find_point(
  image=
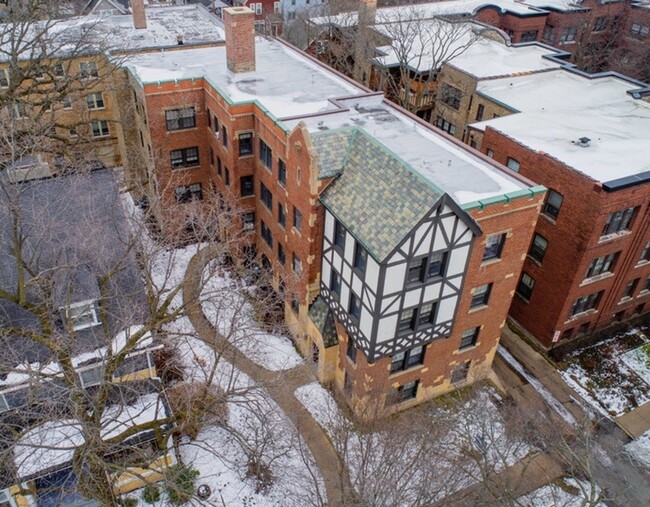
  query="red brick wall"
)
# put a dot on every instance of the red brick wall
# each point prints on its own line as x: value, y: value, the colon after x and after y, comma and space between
x: 574, y: 240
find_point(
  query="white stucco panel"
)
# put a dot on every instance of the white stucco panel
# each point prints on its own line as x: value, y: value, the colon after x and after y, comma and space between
x: 357, y: 284
x: 345, y: 297
x: 390, y: 303
x: 372, y: 274
x: 412, y: 298
x: 386, y: 329
x: 329, y: 226
x: 394, y: 279
x: 347, y: 273
x: 365, y: 324
x: 425, y: 230
x: 457, y: 260
x: 326, y: 275
x: 446, y: 309
x: 432, y: 292
x: 349, y: 248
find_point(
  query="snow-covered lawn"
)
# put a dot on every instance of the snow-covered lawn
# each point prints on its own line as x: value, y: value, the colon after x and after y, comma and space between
x: 614, y: 375
x: 639, y: 449
x: 565, y: 492
x: 226, y: 302
x: 427, y: 454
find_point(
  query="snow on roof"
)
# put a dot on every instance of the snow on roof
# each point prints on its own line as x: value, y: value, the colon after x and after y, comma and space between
x: 307, y: 91
x: 481, y: 57
x: 454, y: 170
x: 53, y: 443
x: 116, y: 33
x: 390, y: 14
x: 559, y: 107
x: 558, y: 5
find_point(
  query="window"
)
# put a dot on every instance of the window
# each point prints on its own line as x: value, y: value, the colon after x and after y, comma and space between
x: 407, y: 359
x: 525, y: 287
x: 282, y: 257
x: 282, y: 173
x: 618, y: 221
x: 538, y: 248
x: 226, y: 174
x: 295, y: 305
x: 584, y: 303
x: 95, y: 101
x: 360, y: 257
x: 179, y: 119
x: 266, y: 196
x: 282, y: 215
x: 215, y: 121
x: 277, y: 8
x: 443, y: 124
x: 19, y: 109
x: 351, y: 351
x: 600, y: 24
x: 73, y: 133
x: 245, y: 144
x: 460, y: 372
x: 406, y: 392
x: 489, y: 154
x: 529, y: 36
x: 512, y: 164
x: 297, y: 265
x: 451, y: 96
x: 185, y: 157
x: 421, y: 270
x: 335, y: 283
x: 247, y: 186
x: 88, y: 70
x: 603, y: 264
x: 553, y: 204
x: 4, y: 78
x: 266, y: 155
x: 82, y: 315
x: 100, y: 128
x: 645, y: 255
x: 218, y: 166
x: 479, y: 112
x: 569, y: 34
x: 407, y: 320
x: 339, y: 235
x: 249, y: 221
x: 211, y: 154
x: 416, y: 318
x: 549, y: 34
x: 630, y: 288
x: 224, y: 136
x: 640, y: 31
x: 91, y: 376
x: 494, y: 246
x: 297, y: 219
x: 646, y: 285
x: 266, y: 234
x: 187, y: 193
x: 469, y: 338
x: 481, y: 295
x: 67, y: 102
x: 355, y: 306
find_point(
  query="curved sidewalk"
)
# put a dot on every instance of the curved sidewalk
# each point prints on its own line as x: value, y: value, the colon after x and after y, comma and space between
x: 279, y: 384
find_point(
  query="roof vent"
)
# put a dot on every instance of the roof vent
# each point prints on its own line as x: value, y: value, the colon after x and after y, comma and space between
x: 583, y: 142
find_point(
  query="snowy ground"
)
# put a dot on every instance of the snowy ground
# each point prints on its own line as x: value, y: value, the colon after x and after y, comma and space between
x: 614, y: 375
x: 433, y: 452
x: 256, y: 425
x: 226, y: 304
x: 566, y: 492
x: 639, y: 449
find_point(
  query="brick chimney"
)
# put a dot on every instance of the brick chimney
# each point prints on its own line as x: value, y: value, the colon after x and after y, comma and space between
x: 240, y: 38
x: 365, y: 43
x: 139, y: 16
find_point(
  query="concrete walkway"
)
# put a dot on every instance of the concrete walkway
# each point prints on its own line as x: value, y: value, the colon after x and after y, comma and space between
x: 636, y: 422
x: 279, y: 384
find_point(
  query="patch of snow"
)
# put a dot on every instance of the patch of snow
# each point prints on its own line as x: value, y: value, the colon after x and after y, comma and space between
x: 567, y: 492
x: 639, y: 449
x: 121, y: 339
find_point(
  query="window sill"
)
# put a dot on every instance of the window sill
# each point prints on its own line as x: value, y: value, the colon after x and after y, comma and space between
x: 624, y: 300
x: 181, y: 169
x: 247, y: 196
x: 182, y: 130
x: 596, y: 278
x: 642, y: 263
x: 613, y: 236
x: 548, y: 218
x: 477, y: 308
x: 489, y: 262
x: 644, y: 292
x: 467, y: 347
x: 577, y: 316
x: 522, y: 297
x: 246, y: 155
x: 407, y: 370
x: 534, y: 261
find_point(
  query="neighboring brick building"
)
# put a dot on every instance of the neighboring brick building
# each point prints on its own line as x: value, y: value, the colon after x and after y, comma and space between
x: 412, y: 306
x: 586, y: 139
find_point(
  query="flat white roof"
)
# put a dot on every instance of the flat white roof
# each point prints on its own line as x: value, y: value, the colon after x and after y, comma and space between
x: 102, y: 32
x: 559, y: 107
x: 479, y: 56
x: 287, y: 83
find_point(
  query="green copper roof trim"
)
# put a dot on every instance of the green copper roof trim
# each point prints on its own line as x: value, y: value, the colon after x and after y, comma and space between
x: 507, y: 197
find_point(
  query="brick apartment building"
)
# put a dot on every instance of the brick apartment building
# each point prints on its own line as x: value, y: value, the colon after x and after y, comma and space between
x: 398, y: 300
x: 584, y: 137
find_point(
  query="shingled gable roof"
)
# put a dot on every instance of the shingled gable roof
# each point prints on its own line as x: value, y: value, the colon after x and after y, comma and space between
x: 376, y: 195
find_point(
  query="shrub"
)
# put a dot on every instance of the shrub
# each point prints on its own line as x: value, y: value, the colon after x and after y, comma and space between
x: 128, y: 502
x: 195, y: 405
x: 180, y: 483
x: 151, y: 494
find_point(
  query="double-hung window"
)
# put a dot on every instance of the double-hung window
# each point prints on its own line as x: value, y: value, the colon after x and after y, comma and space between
x: 266, y: 234
x: 266, y: 196
x: 481, y: 295
x: 245, y: 144
x: 423, y: 269
x: 525, y: 286
x: 469, y: 338
x: 297, y: 265
x: 585, y: 303
x: 451, y: 96
x: 187, y: 193
x: 407, y: 359
x: 88, y: 70
x: 185, y: 157
x: 4, y: 78
x: 513, y: 164
x: 91, y: 376
x: 95, y: 101
x: 538, y: 248
x: 179, y: 119
x: 618, y: 221
x: 553, y: 204
x: 100, y: 128
x: 417, y: 318
x: 602, y: 264
x: 494, y: 246
x: 282, y: 215
x: 266, y: 155
x: 355, y: 306
x: 297, y: 219
x: 282, y: 173
x: 339, y: 235
x: 335, y: 283
x: 247, y: 186
x: 360, y: 257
